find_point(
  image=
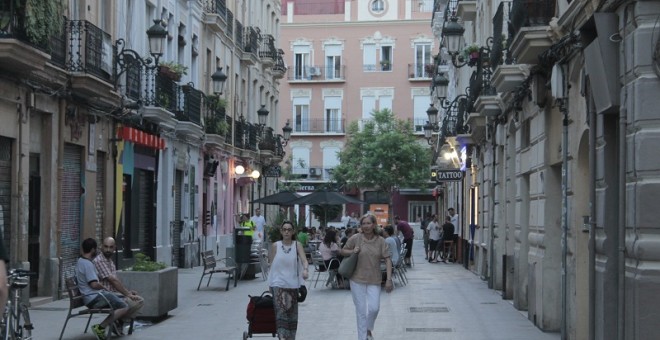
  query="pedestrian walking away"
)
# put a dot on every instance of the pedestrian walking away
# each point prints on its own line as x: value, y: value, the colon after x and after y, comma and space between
x: 259, y: 222
x: 288, y: 271
x: 366, y: 279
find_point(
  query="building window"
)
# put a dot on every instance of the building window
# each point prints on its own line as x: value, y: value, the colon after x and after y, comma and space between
x: 333, y: 115
x: 301, y: 62
x: 377, y: 6
x: 422, y: 59
x: 333, y: 62
x: 301, y: 117
x: 386, y: 58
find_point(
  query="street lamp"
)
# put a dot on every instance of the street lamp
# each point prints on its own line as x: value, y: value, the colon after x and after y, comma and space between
x: 440, y: 86
x: 286, y: 131
x: 126, y: 57
x: 262, y: 115
x: 453, y: 34
x: 218, y: 77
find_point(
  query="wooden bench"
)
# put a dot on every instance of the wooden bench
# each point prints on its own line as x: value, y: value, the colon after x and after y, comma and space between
x: 211, y: 267
x: 77, y: 307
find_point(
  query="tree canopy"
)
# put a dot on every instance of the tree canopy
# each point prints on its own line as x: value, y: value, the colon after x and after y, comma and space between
x: 383, y: 155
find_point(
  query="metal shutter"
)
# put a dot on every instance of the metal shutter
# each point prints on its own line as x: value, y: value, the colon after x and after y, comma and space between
x: 99, y: 205
x: 177, y: 223
x: 5, y: 191
x: 146, y: 225
x: 71, y: 209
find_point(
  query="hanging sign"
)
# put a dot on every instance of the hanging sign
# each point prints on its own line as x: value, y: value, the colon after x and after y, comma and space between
x: 447, y: 175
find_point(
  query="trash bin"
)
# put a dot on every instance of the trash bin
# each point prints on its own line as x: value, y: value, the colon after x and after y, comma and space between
x: 242, y: 245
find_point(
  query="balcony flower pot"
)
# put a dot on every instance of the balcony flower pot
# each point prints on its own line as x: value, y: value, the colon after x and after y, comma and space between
x: 173, y: 71
x: 158, y: 287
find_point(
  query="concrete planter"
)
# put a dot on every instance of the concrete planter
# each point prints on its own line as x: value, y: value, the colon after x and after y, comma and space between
x: 159, y: 290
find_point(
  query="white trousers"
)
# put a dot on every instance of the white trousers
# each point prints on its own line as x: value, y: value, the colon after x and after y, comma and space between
x: 366, y: 299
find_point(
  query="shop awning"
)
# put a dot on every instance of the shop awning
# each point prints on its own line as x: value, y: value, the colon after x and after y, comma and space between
x: 136, y: 136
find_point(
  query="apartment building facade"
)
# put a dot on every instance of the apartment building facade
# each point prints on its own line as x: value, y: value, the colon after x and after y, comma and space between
x: 559, y: 173
x: 344, y: 60
x: 104, y: 141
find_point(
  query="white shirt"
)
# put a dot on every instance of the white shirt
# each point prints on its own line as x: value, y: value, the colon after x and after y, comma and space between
x: 344, y: 220
x: 434, y: 231
x: 259, y: 222
x: 284, y: 271
x: 454, y: 221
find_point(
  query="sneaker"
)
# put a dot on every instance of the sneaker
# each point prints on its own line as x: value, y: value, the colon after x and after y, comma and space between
x: 118, y: 329
x: 370, y: 337
x: 99, y: 332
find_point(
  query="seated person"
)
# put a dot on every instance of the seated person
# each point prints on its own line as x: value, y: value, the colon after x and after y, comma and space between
x: 393, y: 245
x: 329, y: 250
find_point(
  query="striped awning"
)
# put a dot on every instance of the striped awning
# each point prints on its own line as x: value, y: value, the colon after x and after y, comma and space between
x: 140, y: 137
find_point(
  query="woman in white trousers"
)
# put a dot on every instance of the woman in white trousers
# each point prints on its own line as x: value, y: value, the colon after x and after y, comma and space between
x: 367, y: 277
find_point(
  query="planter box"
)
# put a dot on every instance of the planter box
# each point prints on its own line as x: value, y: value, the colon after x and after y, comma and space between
x: 159, y: 290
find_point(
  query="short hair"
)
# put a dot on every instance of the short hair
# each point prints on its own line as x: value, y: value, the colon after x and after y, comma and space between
x: 89, y: 244
x: 389, y: 229
x: 448, y: 218
x: 450, y: 209
x: 396, y: 217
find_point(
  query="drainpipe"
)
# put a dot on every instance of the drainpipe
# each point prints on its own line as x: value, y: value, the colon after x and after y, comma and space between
x: 621, y: 310
x: 491, y: 251
x: 592, y: 216
x: 563, y: 106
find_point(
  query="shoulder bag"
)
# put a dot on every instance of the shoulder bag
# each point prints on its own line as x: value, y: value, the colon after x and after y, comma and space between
x: 348, y: 264
x: 302, y: 290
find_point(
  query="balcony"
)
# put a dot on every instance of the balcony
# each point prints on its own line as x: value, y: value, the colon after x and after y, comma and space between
x: 327, y: 73
x: 529, y: 24
x: 383, y: 66
x: 245, y: 137
x: 467, y: 10
x: 279, y: 69
x: 85, y: 52
x: 230, y: 25
x: 250, y: 54
x: 189, y: 112
x: 17, y: 51
x: 267, y: 51
x: 215, y: 15
x: 239, y: 40
x: 318, y: 126
x: 453, y: 122
x: 160, y: 97
x: 476, y: 131
x: 421, y: 72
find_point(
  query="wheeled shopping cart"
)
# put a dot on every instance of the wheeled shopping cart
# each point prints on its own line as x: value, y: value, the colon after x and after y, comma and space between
x: 260, y: 316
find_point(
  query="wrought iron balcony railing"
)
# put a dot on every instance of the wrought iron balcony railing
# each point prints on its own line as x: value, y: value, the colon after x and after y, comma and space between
x: 191, y: 108
x: 238, y: 38
x: 499, y: 50
x: 279, y: 62
x: 252, y: 37
x: 230, y: 24
x: 246, y: 135
x: 529, y: 13
x: 83, y: 48
x: 421, y: 71
x: 268, y: 50
x: 218, y: 7
x: 317, y: 73
x: 318, y: 126
x: 454, y: 120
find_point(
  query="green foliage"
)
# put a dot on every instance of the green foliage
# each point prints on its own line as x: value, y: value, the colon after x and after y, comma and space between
x: 143, y: 263
x: 325, y: 213
x: 43, y: 19
x: 175, y: 67
x: 289, y: 183
x: 216, y: 125
x: 383, y: 156
x: 273, y: 231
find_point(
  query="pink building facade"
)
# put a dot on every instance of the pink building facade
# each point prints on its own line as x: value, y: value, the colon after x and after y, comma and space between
x: 344, y: 60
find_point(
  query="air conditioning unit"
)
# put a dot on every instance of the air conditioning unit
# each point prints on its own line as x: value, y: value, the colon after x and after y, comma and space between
x: 315, y: 172
x: 314, y: 71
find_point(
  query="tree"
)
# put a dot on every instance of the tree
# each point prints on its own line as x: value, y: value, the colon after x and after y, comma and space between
x: 384, y: 156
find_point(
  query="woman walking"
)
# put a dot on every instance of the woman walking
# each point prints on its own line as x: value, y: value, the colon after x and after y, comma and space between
x: 288, y: 271
x: 366, y: 279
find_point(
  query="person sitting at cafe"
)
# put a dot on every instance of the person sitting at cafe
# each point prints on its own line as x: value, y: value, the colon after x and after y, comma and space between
x: 303, y: 238
x: 329, y: 250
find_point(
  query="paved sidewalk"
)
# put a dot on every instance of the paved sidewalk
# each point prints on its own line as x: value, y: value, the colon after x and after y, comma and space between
x: 441, y: 301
